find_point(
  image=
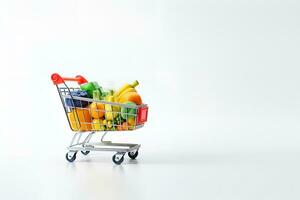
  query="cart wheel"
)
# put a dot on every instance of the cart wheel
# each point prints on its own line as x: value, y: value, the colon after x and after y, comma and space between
x: 71, y: 157
x: 118, y: 158
x: 85, y: 152
x: 133, y: 155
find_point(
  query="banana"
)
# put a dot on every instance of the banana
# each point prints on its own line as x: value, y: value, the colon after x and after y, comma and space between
x: 126, y: 86
x: 109, y: 109
x: 124, y: 92
x: 127, y: 90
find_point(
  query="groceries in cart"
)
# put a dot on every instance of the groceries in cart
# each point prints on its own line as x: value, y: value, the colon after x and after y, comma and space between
x: 91, y: 108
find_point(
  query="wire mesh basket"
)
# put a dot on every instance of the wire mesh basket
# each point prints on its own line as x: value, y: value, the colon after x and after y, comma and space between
x: 85, y: 114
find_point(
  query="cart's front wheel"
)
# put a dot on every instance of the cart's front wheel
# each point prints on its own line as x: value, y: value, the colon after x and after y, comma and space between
x: 133, y: 155
x: 70, y: 156
x: 85, y: 152
x: 118, y: 158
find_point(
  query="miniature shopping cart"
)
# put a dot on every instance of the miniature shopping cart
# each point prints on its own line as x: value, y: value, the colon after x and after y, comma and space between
x: 78, y: 111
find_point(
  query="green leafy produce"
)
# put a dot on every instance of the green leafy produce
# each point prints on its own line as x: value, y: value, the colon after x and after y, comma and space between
x: 127, y: 113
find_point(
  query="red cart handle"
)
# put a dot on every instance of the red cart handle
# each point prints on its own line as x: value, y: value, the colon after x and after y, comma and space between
x: 57, y: 79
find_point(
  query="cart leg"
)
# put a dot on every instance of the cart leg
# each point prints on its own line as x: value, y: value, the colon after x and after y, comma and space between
x: 102, y: 138
x: 79, y: 137
x: 86, y: 140
x: 74, y: 137
x: 71, y: 155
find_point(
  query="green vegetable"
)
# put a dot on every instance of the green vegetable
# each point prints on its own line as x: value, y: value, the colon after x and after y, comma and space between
x: 90, y: 87
x: 118, y: 120
x: 106, y: 93
x: 127, y: 113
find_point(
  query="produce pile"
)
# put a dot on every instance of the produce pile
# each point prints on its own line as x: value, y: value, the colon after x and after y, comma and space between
x: 95, y: 116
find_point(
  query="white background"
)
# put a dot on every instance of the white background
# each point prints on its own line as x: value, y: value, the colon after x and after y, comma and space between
x: 220, y: 78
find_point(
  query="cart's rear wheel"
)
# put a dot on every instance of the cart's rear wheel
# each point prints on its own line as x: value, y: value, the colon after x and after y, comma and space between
x: 118, y: 158
x: 85, y: 152
x: 70, y: 156
x: 133, y: 155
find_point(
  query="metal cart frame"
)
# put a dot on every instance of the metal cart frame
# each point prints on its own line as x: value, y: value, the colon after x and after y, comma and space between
x: 81, y: 139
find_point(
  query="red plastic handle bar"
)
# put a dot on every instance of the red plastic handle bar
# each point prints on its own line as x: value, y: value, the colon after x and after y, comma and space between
x: 57, y: 79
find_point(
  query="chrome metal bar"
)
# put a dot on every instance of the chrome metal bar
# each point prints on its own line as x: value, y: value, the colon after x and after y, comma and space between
x: 73, y: 138
x: 102, y: 138
x: 104, y: 102
x: 76, y: 144
x: 88, y: 138
x: 103, y: 147
x: 113, y: 144
x: 79, y: 137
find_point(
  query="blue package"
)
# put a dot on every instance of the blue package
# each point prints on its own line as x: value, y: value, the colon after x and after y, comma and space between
x: 77, y: 103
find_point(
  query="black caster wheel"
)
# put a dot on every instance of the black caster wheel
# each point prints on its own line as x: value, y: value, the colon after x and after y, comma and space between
x: 133, y: 155
x: 85, y: 152
x: 118, y: 158
x: 71, y: 156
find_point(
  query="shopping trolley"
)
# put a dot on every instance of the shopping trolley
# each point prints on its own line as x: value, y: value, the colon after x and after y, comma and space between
x: 78, y: 112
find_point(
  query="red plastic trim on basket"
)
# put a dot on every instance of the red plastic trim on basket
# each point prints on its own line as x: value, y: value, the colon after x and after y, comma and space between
x: 57, y: 79
x: 142, y: 115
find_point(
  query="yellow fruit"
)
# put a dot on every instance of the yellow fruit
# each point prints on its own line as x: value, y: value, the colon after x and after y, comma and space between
x: 110, y: 111
x: 97, y: 110
x: 109, y: 124
x: 80, y: 119
x: 131, y: 123
x: 98, y: 125
x: 124, y: 92
x: 116, y: 110
x: 124, y: 87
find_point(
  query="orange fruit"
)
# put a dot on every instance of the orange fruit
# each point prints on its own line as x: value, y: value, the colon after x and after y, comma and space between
x: 80, y: 119
x: 131, y: 96
x: 97, y: 110
x: 119, y: 128
x: 125, y: 126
